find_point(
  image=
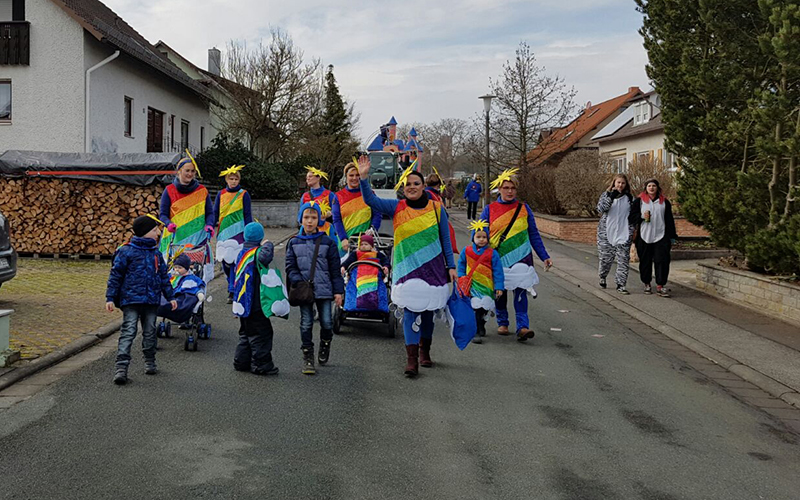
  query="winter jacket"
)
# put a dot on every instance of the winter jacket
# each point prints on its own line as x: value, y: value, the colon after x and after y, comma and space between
x: 138, y: 275
x: 473, y: 192
x: 328, y: 279
x: 264, y: 255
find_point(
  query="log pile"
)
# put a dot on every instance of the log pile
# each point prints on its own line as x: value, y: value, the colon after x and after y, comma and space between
x: 66, y: 216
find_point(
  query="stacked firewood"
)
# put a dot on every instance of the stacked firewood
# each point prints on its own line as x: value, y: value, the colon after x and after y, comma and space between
x: 66, y: 216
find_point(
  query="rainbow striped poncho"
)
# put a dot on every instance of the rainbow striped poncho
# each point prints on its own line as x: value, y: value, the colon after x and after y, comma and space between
x: 419, y: 276
x: 482, y: 289
x: 188, y: 213
x: 356, y: 215
x: 516, y: 254
x: 366, y: 291
x: 231, y: 225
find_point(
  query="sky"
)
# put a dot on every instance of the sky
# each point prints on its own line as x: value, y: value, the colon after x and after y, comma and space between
x: 419, y: 61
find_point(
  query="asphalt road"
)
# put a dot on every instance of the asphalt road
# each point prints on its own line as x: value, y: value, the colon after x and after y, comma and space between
x: 591, y: 411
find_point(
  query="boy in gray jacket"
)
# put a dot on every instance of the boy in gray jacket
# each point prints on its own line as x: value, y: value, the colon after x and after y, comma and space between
x: 328, y: 282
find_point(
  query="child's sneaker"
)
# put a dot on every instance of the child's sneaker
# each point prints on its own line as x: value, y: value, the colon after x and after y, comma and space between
x: 648, y: 289
x: 121, y: 376
x: 324, y: 351
x: 308, y: 362
x: 603, y: 283
x: 150, y: 367
x: 622, y: 290
x: 662, y: 292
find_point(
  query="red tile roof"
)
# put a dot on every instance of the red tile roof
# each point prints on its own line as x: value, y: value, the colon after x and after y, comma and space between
x: 561, y: 140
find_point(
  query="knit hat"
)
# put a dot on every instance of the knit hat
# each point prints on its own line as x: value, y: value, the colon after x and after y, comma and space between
x: 368, y: 238
x: 183, y: 260
x: 143, y: 225
x: 311, y: 205
x: 254, y: 232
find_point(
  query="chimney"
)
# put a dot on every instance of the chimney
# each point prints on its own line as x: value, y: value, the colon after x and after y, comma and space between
x: 214, y: 61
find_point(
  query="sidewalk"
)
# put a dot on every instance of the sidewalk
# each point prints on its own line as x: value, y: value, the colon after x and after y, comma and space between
x: 760, y: 349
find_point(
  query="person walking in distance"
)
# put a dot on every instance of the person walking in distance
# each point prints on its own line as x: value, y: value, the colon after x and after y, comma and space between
x: 473, y: 196
x: 651, y: 212
x: 614, y: 232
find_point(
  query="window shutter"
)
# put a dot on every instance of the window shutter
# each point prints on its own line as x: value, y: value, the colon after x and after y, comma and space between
x: 660, y: 155
x: 17, y: 10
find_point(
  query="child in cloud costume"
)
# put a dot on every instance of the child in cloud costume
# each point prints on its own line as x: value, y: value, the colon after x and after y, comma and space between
x: 513, y: 233
x: 422, y: 260
x: 259, y: 293
x: 232, y: 211
x: 480, y: 275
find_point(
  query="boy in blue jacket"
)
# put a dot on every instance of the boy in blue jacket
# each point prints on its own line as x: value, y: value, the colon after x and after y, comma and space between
x: 137, y: 280
x: 328, y: 282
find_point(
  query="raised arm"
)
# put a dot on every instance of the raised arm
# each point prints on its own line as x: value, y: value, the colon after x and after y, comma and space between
x: 379, y: 205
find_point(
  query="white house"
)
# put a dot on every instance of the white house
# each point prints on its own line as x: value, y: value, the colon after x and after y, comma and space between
x: 636, y: 132
x: 75, y: 77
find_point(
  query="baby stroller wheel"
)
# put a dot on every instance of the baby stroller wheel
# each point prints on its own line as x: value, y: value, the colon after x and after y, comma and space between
x: 194, y: 346
x: 208, y: 331
x: 168, y: 330
x: 160, y: 329
x: 186, y: 344
x: 337, y: 319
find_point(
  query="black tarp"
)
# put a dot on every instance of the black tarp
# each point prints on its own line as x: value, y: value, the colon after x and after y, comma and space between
x: 133, y: 169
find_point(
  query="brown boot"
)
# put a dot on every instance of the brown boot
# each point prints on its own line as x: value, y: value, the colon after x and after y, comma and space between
x: 425, y: 353
x: 502, y: 330
x: 412, y: 365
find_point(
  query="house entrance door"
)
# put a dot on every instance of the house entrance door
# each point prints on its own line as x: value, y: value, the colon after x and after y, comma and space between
x: 155, y: 131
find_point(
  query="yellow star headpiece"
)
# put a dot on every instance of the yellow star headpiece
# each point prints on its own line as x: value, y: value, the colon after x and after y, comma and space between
x: 441, y: 181
x: 478, y: 225
x: 318, y: 172
x: 234, y: 169
x: 324, y: 207
x: 196, y: 168
x: 401, y: 182
x: 160, y: 223
x: 506, y: 175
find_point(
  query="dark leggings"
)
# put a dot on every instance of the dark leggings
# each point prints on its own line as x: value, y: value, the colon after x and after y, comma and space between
x: 472, y: 209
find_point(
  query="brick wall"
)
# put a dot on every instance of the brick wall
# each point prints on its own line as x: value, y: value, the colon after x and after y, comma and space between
x: 778, y: 299
x: 584, y: 230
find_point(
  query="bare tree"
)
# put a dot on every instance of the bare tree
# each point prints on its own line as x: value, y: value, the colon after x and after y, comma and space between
x: 528, y: 103
x: 274, y: 95
x: 446, y: 140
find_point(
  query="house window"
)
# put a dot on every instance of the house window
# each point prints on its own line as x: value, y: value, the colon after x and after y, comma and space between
x: 173, y: 142
x: 202, y: 138
x: 619, y: 164
x: 641, y: 113
x: 184, y: 134
x: 6, y: 11
x: 128, y: 116
x: 5, y: 100
x: 644, y: 155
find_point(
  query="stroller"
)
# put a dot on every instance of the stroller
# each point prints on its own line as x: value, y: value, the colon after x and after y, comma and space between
x: 367, y: 294
x: 190, y: 311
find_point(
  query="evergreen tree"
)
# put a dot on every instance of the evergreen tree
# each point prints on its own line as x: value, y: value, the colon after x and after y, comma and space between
x: 726, y: 71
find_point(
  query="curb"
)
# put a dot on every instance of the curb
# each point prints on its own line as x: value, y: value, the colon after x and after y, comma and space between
x: 80, y: 344
x: 760, y: 380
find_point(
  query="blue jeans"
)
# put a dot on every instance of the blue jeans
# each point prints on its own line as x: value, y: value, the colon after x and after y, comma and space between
x: 131, y: 315
x: 307, y: 322
x: 413, y: 332
x: 520, y: 308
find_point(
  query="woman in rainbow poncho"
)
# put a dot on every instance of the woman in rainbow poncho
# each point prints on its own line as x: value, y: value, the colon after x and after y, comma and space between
x: 351, y: 215
x: 187, y: 211
x: 324, y: 197
x: 422, y: 260
x: 513, y: 233
x: 480, y: 275
x: 232, y: 212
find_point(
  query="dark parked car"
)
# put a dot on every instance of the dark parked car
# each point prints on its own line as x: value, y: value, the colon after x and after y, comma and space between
x: 8, y: 257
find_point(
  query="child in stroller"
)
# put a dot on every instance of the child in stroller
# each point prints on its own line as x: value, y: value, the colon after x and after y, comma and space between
x: 366, y: 289
x: 190, y: 294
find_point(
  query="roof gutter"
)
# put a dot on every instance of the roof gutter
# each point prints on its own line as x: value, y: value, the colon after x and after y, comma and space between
x: 87, y: 127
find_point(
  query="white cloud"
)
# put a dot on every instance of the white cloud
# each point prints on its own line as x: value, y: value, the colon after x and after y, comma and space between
x: 417, y: 60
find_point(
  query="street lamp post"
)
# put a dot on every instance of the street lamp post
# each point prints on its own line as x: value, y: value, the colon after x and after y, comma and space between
x: 487, y: 105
